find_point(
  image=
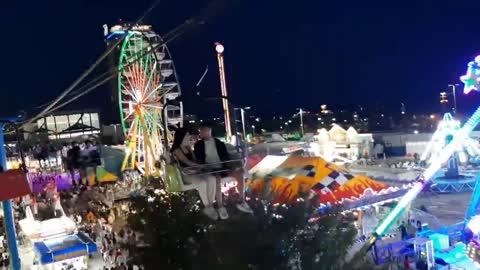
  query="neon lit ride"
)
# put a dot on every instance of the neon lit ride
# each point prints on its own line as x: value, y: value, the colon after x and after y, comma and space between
x: 146, y: 82
x: 436, y: 163
x: 452, y: 180
x: 472, y: 78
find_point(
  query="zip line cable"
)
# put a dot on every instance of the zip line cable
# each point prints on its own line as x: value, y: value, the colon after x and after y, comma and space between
x: 175, y: 33
x: 88, y: 71
x: 113, y: 74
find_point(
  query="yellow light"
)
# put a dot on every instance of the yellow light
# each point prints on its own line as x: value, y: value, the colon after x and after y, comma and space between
x: 432, y: 116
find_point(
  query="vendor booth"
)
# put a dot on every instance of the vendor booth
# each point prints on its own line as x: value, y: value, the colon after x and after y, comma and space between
x: 36, y: 230
x: 65, y: 252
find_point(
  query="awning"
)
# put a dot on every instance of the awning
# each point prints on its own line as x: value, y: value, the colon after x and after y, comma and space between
x: 63, y: 248
x: 14, y: 184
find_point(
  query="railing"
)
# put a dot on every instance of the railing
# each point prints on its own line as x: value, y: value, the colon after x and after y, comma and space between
x: 204, y: 169
x: 393, y: 252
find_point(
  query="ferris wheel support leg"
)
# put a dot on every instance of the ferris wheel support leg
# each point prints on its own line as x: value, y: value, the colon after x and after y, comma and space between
x: 133, y: 143
x: 8, y: 213
x: 125, y: 161
x: 146, y: 143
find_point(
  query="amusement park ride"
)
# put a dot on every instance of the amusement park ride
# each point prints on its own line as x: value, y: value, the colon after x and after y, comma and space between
x: 455, y: 138
x: 467, y: 151
x: 447, y: 128
x: 147, y: 89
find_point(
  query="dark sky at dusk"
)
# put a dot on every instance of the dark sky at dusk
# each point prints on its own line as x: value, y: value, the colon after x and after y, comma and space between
x: 279, y: 55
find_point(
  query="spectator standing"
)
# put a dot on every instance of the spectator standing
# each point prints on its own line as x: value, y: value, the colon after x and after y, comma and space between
x: 73, y: 160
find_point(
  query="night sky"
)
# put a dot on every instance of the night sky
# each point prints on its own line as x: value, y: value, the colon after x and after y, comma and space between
x: 280, y: 55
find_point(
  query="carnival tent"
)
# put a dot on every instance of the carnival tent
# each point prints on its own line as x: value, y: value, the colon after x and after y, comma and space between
x: 64, y: 247
x: 284, y: 179
x: 14, y: 184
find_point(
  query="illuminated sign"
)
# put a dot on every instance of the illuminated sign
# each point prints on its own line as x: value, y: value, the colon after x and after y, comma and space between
x: 70, y: 255
x: 117, y: 28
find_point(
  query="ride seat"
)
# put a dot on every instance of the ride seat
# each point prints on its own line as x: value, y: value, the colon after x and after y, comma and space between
x: 225, y: 180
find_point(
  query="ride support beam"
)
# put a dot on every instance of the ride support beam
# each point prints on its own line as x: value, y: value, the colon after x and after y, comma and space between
x: 8, y: 212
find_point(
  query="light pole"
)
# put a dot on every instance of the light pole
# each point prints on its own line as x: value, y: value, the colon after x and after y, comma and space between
x: 242, y: 115
x: 301, y: 120
x: 454, y: 86
x: 223, y: 85
x: 253, y: 130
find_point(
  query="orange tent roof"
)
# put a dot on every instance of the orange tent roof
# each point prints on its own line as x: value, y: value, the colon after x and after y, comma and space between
x: 297, y: 175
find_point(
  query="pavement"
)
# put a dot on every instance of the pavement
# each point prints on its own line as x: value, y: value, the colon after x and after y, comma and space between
x: 447, y: 208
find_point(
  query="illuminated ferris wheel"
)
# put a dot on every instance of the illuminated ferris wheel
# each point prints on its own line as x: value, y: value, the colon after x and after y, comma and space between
x: 146, y: 84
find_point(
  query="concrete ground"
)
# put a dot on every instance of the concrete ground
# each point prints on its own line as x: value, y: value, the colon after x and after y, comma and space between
x: 447, y: 208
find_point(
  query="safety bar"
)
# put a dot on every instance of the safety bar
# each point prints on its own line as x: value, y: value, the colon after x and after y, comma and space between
x: 204, y: 166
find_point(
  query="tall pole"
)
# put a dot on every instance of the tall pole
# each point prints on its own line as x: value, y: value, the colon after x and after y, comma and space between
x: 8, y: 212
x: 301, y: 121
x: 454, y: 87
x: 226, y: 110
x: 242, y: 114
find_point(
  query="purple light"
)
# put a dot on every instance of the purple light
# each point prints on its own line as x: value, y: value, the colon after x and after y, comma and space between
x: 40, y: 180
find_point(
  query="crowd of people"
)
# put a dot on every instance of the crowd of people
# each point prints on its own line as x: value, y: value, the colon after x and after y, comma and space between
x: 111, y: 243
x: 195, y: 153
x: 4, y: 256
x: 83, y: 157
x: 71, y: 156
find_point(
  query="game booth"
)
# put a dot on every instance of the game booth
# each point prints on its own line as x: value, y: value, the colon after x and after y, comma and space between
x: 65, y: 252
x: 56, y: 242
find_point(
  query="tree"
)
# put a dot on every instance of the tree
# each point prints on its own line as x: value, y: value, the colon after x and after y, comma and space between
x: 178, y: 236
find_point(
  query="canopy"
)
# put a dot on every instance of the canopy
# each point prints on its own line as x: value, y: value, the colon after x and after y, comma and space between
x: 14, y: 184
x: 285, y: 178
x: 35, y: 229
x: 65, y: 247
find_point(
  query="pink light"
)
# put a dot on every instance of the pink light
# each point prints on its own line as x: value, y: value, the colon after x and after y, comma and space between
x: 219, y: 47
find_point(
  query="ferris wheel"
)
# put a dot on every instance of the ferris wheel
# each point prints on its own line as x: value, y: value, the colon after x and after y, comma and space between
x: 146, y: 82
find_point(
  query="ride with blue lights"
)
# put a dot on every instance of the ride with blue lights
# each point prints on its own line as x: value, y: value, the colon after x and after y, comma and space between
x: 471, y: 83
x: 471, y: 80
